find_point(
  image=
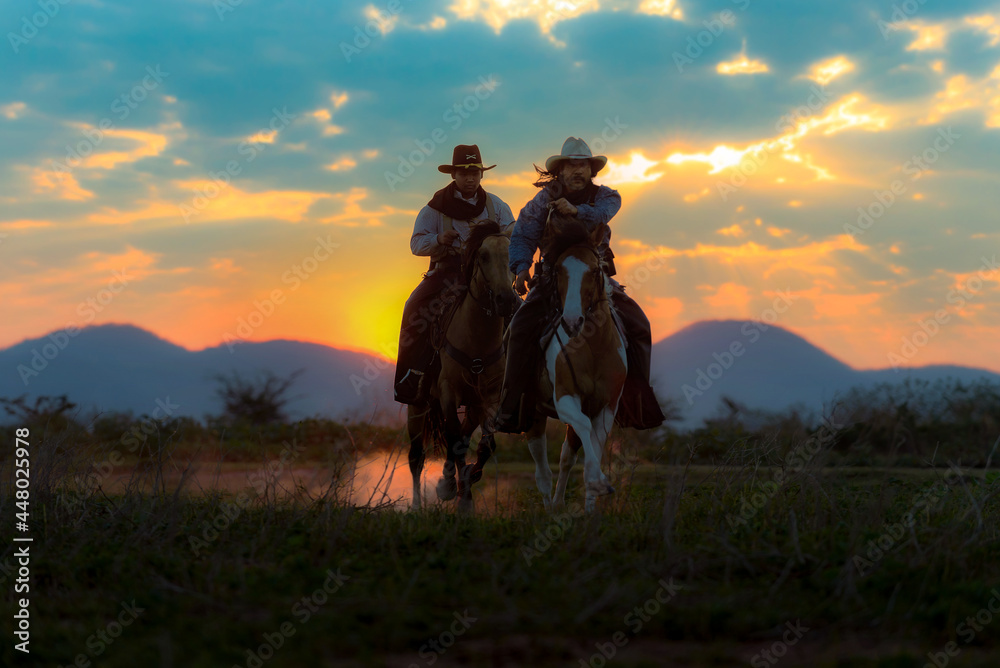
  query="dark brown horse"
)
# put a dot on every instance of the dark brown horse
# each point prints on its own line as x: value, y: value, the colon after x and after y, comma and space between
x: 472, y: 365
x: 585, y: 365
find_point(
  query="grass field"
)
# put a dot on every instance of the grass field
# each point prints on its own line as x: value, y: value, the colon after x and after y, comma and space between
x: 768, y: 552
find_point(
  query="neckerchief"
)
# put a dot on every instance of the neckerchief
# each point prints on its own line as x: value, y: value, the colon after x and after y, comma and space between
x: 444, y: 201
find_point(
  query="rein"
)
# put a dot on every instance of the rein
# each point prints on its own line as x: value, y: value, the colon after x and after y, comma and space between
x: 603, y: 297
x: 478, y: 364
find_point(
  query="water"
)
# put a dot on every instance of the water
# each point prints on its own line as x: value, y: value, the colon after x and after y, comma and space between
x: 376, y: 480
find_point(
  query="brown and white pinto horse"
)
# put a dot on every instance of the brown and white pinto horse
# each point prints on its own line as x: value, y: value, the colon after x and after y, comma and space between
x: 472, y: 365
x: 585, y: 364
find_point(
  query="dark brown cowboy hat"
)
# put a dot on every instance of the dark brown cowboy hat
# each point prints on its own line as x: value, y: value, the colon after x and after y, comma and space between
x: 465, y: 156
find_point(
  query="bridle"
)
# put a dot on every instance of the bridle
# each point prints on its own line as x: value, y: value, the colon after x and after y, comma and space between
x: 477, y: 365
x: 600, y: 297
x: 601, y: 292
x: 491, y: 304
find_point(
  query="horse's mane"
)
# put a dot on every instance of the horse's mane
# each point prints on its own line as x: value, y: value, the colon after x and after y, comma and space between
x: 475, y: 241
x: 560, y: 234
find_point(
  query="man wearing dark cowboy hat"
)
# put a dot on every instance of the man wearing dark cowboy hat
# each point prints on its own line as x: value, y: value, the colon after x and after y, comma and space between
x: 568, y: 189
x: 439, y: 232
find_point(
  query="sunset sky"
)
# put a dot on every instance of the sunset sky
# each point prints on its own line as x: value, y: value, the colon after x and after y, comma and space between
x: 189, y: 166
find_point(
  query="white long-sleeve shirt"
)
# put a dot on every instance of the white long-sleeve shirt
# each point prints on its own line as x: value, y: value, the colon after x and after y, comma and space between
x: 430, y: 223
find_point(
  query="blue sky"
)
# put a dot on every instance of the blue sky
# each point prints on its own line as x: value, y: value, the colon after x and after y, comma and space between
x: 227, y: 142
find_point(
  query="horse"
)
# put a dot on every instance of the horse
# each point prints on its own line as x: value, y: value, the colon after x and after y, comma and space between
x: 585, y: 363
x: 472, y: 360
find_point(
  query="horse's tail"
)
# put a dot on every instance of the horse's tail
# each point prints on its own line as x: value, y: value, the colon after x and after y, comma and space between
x: 432, y: 427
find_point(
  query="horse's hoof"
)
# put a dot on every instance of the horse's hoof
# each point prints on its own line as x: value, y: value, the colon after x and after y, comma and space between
x: 447, y: 488
x: 600, y: 489
x: 465, y: 506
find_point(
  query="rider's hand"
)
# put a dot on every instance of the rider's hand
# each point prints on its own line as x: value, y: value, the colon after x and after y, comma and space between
x: 447, y: 238
x: 520, y: 282
x: 564, y: 207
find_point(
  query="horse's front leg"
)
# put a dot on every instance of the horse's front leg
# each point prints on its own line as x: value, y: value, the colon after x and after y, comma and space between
x: 415, y: 420
x: 447, y: 486
x: 468, y: 474
x: 475, y: 416
x: 539, y: 452
x: 597, y: 484
x: 567, y: 458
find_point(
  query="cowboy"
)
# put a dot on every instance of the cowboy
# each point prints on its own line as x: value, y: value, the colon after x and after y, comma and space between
x: 567, y: 187
x: 439, y: 232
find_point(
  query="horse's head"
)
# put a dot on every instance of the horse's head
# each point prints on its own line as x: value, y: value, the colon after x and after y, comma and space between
x: 485, y: 264
x: 576, y: 265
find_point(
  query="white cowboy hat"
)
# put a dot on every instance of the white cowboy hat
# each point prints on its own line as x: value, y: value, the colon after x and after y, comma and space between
x: 572, y: 148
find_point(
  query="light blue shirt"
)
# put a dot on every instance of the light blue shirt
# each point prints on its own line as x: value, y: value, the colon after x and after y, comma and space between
x: 531, y: 223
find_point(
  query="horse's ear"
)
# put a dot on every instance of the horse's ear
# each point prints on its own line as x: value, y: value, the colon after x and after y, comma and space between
x: 508, y: 231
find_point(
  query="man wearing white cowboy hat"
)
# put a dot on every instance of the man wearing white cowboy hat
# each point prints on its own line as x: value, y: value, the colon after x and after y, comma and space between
x: 567, y: 187
x: 439, y: 232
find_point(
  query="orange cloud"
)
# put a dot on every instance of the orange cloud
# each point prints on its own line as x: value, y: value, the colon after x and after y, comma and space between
x: 728, y: 297
x: 344, y: 164
x: 353, y: 214
x: 63, y: 184
x: 23, y: 224
x: 148, y: 144
x: 962, y: 93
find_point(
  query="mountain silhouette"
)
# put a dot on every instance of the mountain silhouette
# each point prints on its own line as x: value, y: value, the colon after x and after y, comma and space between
x: 126, y: 368
x: 766, y: 367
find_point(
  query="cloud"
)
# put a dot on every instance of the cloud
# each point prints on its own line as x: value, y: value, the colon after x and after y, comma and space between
x: 962, y: 93
x: 827, y: 70
x: 350, y: 210
x: 742, y: 65
x: 147, y: 144
x: 61, y: 184
x: 13, y: 111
